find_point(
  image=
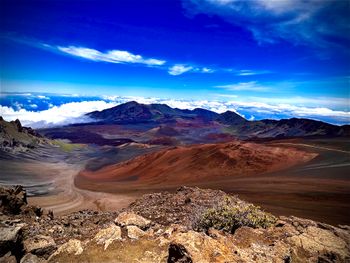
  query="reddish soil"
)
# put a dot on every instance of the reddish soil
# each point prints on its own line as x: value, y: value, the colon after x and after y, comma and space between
x: 198, y: 163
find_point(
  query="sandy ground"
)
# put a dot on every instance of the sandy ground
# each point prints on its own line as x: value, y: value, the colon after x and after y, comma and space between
x: 69, y: 198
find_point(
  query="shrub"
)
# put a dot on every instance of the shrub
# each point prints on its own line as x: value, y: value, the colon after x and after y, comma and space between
x: 229, y: 216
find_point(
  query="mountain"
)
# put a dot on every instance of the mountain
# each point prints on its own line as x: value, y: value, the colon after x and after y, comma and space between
x: 293, y: 127
x: 15, y: 137
x: 229, y: 122
x: 133, y: 112
x: 231, y: 118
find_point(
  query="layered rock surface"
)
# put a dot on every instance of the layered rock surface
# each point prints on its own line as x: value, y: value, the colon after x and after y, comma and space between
x: 142, y: 233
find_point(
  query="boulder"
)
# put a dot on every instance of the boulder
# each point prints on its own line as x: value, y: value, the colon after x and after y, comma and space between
x: 178, y: 253
x: 10, y: 239
x: 8, y: 258
x: 319, y: 243
x: 72, y: 247
x: 40, y: 245
x: 192, y: 246
x: 108, y: 235
x: 134, y: 232
x: 12, y: 200
x: 132, y: 219
x: 30, y: 258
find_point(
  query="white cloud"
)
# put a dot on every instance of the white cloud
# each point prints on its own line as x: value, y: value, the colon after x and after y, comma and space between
x: 245, y: 86
x: 34, y: 106
x: 112, y: 56
x: 314, y: 22
x: 179, y: 69
x: 248, y: 72
x: 206, y: 70
x: 120, y: 56
x: 56, y: 115
x: 42, y: 97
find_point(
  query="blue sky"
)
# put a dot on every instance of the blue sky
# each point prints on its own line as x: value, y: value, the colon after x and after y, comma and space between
x: 269, y: 52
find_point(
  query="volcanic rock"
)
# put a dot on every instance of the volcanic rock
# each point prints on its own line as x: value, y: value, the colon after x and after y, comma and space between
x: 40, y: 245
x: 30, y: 258
x: 72, y: 247
x: 8, y: 258
x: 11, y: 239
x: 134, y: 232
x: 132, y: 219
x: 108, y: 235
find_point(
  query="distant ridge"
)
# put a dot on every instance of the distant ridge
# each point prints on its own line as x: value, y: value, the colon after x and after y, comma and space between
x: 158, y: 114
x: 133, y: 112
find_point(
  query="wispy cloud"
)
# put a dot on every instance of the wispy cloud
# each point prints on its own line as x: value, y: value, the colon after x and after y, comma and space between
x: 248, y: 72
x: 314, y: 22
x: 179, y: 69
x: 245, y: 86
x: 120, y: 56
x: 206, y: 70
x: 125, y: 57
x: 112, y: 56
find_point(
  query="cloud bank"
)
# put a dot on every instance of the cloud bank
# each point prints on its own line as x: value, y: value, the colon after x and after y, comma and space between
x: 65, y: 114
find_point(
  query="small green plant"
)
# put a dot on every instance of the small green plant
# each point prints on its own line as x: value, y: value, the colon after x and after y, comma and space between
x: 229, y: 216
x: 67, y: 147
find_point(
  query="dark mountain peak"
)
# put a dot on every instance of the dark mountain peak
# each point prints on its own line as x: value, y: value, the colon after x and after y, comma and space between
x: 205, y: 114
x: 231, y: 118
x: 127, y: 112
x: 135, y: 112
x: 130, y: 104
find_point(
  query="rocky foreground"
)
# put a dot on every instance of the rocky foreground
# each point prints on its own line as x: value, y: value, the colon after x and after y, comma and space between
x: 191, y: 225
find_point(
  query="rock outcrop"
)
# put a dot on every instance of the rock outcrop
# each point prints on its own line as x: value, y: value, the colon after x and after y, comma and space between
x: 14, y: 137
x: 141, y: 233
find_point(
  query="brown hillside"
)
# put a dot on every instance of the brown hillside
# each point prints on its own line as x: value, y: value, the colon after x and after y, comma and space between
x: 179, y: 165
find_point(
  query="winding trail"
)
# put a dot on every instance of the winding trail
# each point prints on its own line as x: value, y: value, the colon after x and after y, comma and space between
x: 311, y: 146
